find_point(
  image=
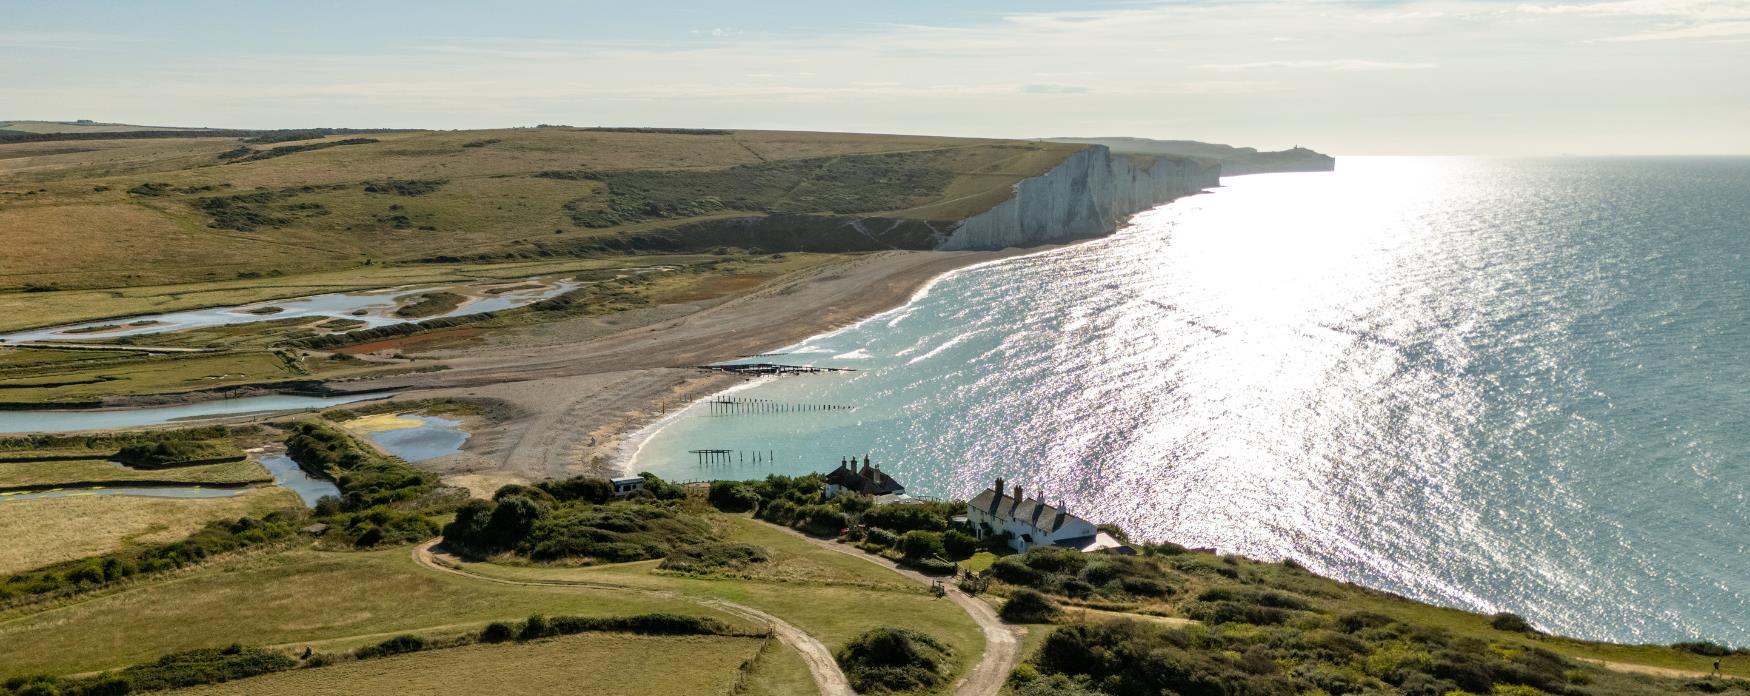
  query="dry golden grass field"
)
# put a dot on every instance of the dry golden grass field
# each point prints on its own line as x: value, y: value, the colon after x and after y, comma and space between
x: 43, y: 531
x: 598, y: 664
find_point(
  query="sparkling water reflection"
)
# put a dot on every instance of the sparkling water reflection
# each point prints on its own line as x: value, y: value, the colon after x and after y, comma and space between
x: 1503, y: 385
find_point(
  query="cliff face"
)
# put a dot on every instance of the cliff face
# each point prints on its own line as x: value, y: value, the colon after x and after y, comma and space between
x: 1090, y: 194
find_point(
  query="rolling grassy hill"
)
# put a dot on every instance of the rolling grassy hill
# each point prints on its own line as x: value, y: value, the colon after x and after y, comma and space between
x: 132, y: 212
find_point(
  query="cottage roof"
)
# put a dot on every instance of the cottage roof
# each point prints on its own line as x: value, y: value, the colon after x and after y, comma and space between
x: 1036, y: 513
x: 868, y: 481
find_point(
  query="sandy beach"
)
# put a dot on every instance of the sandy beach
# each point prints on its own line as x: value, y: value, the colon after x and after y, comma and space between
x: 569, y: 403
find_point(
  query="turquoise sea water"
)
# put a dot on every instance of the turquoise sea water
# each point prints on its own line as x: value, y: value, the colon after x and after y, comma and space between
x: 1514, y: 385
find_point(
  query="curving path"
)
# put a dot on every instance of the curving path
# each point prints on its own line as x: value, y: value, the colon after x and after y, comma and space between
x: 828, y: 679
x: 1002, y: 642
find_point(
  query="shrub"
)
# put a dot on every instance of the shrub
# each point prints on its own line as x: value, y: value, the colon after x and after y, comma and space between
x: 905, y: 518
x: 535, y: 627
x: 581, y: 488
x: 894, y: 659
x: 730, y: 496
x: 1029, y: 606
x: 959, y: 545
x: 1235, y: 612
x: 921, y: 544
x: 825, y: 520
x: 1706, y: 648
x: 497, y: 632
x: 1507, y: 621
x: 932, y: 566
x: 392, y: 646
x: 882, y: 537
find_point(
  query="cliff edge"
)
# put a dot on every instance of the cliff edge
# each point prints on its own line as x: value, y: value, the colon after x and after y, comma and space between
x: 1090, y: 194
x: 1234, y: 161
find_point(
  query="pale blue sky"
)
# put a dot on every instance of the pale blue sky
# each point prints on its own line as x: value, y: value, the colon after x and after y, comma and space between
x: 1413, y: 77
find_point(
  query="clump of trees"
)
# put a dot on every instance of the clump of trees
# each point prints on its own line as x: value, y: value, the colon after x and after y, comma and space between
x: 888, y: 660
x: 573, y: 520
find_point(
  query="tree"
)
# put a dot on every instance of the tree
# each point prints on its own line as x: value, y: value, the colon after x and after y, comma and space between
x: 512, y: 520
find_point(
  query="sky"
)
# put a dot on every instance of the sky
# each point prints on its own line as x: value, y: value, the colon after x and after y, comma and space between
x: 1462, y: 77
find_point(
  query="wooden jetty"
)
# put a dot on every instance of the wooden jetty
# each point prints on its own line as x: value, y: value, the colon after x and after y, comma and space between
x: 723, y: 456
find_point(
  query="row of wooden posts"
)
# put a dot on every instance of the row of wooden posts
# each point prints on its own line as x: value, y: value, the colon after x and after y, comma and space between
x: 723, y: 456
x: 732, y: 406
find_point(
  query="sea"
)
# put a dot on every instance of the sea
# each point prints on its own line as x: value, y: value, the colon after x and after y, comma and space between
x: 1496, y: 384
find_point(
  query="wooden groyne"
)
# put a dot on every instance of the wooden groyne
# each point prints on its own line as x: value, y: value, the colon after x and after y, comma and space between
x: 732, y: 406
x: 774, y: 369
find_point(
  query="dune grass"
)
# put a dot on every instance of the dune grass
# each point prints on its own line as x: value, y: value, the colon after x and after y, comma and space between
x: 42, y: 531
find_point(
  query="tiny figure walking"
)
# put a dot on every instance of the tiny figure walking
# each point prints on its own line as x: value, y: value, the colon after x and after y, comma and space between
x: 308, y: 652
x: 1716, y: 668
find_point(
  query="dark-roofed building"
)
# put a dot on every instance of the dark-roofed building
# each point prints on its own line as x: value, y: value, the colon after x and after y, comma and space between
x: 1033, y: 523
x: 869, y: 480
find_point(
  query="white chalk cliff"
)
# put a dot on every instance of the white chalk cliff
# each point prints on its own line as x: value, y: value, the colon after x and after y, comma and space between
x: 1089, y: 194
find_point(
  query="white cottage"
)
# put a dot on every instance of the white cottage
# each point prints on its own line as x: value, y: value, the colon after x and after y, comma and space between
x: 1033, y: 523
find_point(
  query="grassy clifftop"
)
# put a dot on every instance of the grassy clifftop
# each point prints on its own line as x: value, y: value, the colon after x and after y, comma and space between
x: 130, y: 212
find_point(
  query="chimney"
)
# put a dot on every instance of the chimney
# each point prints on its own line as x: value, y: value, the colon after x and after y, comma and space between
x: 1017, y: 494
x: 1062, y: 514
x: 999, y: 487
x: 996, y: 500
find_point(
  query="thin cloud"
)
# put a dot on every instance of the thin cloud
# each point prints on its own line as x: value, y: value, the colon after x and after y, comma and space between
x: 1716, y: 30
x: 1336, y: 65
x: 1055, y: 89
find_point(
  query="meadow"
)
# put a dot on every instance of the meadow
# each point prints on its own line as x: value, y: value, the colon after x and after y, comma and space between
x: 43, y: 531
x: 601, y: 664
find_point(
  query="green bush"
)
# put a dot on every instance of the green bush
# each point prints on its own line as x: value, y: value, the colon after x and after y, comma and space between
x: 392, y: 646
x: 588, y: 489
x: 1507, y: 621
x: 959, y: 545
x: 497, y: 632
x: 921, y: 544
x: 732, y: 496
x: 1029, y: 606
x: 886, y: 660
x: 905, y: 517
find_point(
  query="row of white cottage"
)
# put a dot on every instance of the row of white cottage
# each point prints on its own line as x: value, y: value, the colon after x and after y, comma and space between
x: 1031, y: 523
